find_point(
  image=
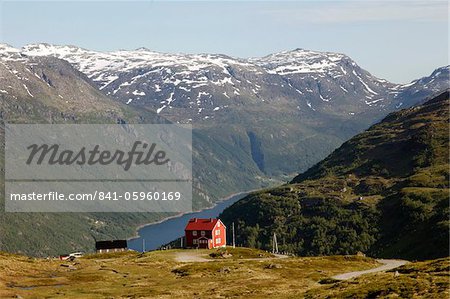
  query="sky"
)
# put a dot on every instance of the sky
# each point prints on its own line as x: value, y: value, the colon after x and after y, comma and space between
x: 396, y: 40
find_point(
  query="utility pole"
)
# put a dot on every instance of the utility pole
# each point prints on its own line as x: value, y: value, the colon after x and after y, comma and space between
x: 234, y: 240
x: 274, y: 243
x: 143, y: 245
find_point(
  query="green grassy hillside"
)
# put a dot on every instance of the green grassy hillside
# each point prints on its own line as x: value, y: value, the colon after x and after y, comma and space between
x: 384, y: 192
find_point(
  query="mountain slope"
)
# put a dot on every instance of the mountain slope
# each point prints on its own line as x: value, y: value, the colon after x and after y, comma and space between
x: 415, y: 92
x: 28, y: 83
x: 50, y: 90
x: 384, y: 192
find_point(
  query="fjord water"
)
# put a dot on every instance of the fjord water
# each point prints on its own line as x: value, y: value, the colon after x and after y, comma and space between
x: 158, y: 234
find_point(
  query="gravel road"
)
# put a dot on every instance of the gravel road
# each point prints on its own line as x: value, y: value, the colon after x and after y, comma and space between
x: 387, y: 265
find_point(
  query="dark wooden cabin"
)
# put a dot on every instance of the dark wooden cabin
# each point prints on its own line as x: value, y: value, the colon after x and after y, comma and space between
x: 111, y: 246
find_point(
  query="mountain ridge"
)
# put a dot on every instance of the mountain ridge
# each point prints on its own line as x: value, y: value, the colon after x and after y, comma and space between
x: 201, y: 88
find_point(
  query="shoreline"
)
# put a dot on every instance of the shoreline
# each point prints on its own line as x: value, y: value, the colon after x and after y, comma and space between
x: 136, y: 234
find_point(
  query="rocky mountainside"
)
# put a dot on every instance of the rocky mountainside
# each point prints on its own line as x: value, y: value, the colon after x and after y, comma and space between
x: 384, y: 192
x: 418, y: 90
x: 48, y: 89
x: 190, y: 88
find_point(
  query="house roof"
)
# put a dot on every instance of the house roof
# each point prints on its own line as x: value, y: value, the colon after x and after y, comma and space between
x: 201, y: 224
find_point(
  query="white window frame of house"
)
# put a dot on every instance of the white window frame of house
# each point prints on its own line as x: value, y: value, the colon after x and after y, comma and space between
x: 217, y: 232
x: 194, y: 241
x: 218, y: 224
x: 202, y: 233
x: 194, y: 233
x: 218, y: 240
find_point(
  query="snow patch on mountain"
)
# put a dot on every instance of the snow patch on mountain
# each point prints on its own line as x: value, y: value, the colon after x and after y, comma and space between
x: 204, y: 82
x: 300, y: 61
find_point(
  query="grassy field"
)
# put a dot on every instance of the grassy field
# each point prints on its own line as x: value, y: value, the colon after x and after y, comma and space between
x: 246, y: 273
x: 429, y: 279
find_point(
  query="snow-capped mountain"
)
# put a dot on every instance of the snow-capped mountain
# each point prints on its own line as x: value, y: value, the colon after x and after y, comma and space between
x: 203, y: 85
x: 158, y: 79
x: 186, y: 87
x: 417, y: 91
x: 47, y: 89
x: 328, y: 77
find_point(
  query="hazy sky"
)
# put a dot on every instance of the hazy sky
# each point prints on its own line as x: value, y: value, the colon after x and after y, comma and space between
x: 399, y: 41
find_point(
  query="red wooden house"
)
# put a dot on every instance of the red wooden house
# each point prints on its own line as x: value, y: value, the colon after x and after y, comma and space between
x: 205, y: 233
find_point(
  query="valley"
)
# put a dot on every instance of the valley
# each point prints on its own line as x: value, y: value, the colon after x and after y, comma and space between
x: 256, y: 122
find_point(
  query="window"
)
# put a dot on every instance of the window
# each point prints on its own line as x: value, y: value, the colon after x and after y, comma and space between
x: 194, y: 241
x: 217, y: 232
x: 202, y: 233
x: 194, y: 233
x: 218, y: 224
x: 218, y: 240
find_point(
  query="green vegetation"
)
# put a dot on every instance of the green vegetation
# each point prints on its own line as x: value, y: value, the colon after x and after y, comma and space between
x: 305, y: 221
x: 384, y: 192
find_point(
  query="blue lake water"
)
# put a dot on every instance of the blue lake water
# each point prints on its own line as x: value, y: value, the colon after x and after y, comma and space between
x: 158, y: 234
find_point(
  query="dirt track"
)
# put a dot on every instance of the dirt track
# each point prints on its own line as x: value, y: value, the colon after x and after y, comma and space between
x: 193, y: 256
x: 387, y: 265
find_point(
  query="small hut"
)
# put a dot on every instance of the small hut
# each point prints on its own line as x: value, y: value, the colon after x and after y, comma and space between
x: 111, y: 246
